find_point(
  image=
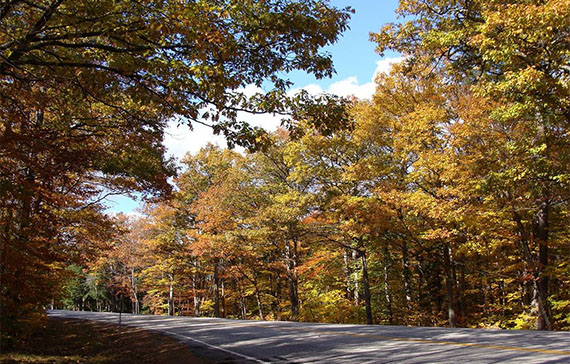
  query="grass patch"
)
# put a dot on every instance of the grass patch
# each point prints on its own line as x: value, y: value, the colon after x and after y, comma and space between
x: 80, y: 341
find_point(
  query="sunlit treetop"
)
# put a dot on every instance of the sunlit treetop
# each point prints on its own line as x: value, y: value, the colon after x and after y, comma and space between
x: 517, y: 50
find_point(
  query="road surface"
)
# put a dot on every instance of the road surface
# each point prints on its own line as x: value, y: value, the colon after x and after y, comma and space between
x: 292, y: 342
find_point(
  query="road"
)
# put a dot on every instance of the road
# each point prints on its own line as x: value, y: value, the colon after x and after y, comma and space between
x: 292, y: 342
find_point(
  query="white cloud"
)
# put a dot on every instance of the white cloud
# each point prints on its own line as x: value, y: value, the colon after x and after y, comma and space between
x: 179, y: 139
x: 250, y: 90
x: 351, y: 87
x: 312, y: 89
x: 384, y: 65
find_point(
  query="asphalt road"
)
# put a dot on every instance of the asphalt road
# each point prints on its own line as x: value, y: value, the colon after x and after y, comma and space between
x: 292, y: 342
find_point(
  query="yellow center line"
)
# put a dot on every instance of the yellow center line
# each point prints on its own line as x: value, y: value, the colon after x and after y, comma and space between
x: 421, y: 341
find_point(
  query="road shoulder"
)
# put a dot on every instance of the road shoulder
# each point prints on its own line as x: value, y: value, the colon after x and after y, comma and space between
x: 65, y: 340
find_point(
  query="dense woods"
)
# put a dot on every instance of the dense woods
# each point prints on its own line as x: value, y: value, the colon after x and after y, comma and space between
x: 87, y: 89
x: 390, y: 222
x: 443, y: 200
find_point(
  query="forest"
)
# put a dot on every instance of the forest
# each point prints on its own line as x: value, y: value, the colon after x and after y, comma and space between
x: 442, y: 201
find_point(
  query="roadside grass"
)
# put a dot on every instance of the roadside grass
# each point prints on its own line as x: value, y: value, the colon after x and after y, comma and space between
x: 79, y: 341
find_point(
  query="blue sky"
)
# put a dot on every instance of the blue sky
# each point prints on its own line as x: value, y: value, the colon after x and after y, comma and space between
x: 354, y: 54
x: 355, y: 61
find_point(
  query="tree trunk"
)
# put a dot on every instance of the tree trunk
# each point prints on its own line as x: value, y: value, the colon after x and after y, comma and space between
x: 449, y: 285
x: 366, y: 288
x: 387, y: 289
x: 276, y: 293
x: 171, y: 295
x: 540, y: 296
x: 420, y: 293
x: 136, y: 304
x: 407, y: 273
x: 356, y: 291
x: 462, y: 288
x: 216, y: 289
x: 258, y: 296
x: 292, y: 278
x: 96, y: 299
x: 223, y: 298
x: 540, y: 282
x: 196, y: 298
x: 242, y: 306
x: 346, y: 260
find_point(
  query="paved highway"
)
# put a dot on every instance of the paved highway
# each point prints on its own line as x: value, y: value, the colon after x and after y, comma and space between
x: 291, y: 342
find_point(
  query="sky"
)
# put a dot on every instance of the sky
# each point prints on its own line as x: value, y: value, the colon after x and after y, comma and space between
x: 356, y: 64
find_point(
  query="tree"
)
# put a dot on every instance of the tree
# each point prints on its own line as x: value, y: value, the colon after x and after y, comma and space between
x: 515, y: 52
x: 281, y: 216
x: 87, y: 89
x: 125, y: 260
x: 147, y: 61
x: 330, y: 166
x: 215, y: 215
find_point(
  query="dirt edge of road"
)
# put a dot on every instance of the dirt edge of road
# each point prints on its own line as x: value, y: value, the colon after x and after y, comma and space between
x: 83, y: 341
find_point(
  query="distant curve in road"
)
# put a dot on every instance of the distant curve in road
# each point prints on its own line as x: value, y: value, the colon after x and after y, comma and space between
x: 293, y: 342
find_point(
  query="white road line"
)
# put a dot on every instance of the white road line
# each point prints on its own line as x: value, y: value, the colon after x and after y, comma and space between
x: 218, y: 348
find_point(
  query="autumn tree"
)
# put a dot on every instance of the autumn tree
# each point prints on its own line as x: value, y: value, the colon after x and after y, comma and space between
x: 125, y: 260
x: 327, y: 164
x: 87, y: 89
x: 284, y: 216
x: 444, y: 201
x: 515, y: 52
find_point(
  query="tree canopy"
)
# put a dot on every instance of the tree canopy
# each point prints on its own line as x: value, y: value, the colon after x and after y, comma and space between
x: 87, y: 88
